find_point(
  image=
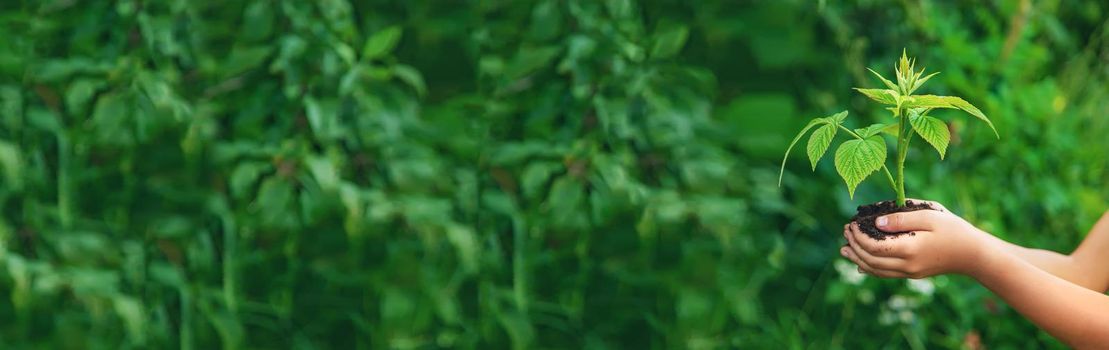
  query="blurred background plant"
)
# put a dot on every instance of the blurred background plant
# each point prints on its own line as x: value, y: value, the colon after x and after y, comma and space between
x: 513, y: 174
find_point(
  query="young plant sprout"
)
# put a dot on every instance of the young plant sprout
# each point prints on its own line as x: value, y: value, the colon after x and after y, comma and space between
x: 865, y: 152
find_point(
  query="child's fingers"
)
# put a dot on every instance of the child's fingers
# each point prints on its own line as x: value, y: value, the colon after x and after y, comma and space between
x: 888, y: 248
x: 878, y: 262
x: 846, y: 252
x: 888, y: 274
x: 920, y: 220
x: 864, y: 268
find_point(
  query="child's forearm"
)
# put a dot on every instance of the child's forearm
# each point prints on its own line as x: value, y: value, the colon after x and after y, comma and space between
x: 1092, y: 254
x: 1062, y: 266
x: 1076, y: 315
x: 1085, y: 267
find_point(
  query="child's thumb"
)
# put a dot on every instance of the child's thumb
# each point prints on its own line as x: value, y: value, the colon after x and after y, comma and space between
x: 920, y: 220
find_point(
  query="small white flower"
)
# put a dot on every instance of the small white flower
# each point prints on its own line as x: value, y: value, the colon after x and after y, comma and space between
x: 849, y: 273
x: 898, y: 302
x: 906, y: 316
x: 923, y: 286
x: 866, y: 296
x: 886, y: 318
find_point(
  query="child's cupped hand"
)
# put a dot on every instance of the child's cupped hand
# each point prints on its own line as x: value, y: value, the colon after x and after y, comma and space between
x: 942, y: 243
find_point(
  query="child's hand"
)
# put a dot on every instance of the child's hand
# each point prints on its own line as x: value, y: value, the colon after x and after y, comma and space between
x: 942, y: 243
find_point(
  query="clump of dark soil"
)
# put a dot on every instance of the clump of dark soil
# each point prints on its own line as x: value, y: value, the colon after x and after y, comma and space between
x: 867, y: 213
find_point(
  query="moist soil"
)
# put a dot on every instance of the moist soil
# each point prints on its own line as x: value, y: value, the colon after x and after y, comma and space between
x: 867, y: 213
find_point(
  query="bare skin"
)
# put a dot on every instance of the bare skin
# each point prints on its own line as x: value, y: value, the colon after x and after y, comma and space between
x: 1060, y: 293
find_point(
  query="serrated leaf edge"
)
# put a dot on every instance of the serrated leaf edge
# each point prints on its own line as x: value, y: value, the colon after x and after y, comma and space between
x: 841, y: 168
x: 821, y: 148
x: 917, y: 122
x: 835, y: 118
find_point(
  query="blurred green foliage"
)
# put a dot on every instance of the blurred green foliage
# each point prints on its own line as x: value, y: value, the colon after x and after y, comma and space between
x: 513, y: 174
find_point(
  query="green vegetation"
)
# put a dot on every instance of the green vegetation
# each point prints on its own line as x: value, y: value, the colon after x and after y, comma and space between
x: 856, y: 159
x: 582, y: 174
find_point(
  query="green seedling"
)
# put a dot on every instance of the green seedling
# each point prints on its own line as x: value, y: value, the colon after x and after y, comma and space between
x: 865, y: 152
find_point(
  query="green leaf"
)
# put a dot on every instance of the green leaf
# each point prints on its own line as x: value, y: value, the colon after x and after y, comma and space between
x: 933, y: 101
x: 412, y: 77
x: 381, y: 43
x: 670, y: 42
x: 883, y: 96
x: 352, y: 200
x: 870, y: 130
x: 244, y: 58
x: 857, y: 159
x: 245, y: 175
x: 12, y: 164
x: 888, y: 83
x: 920, y: 81
x: 832, y: 120
x: 466, y: 246
x: 273, y: 203
x: 112, y: 118
x: 80, y: 92
x: 619, y: 9
x: 535, y: 177
x: 811, y: 124
x: 345, y: 52
x: 932, y: 130
x: 324, y: 171
x: 890, y: 129
x: 130, y: 310
x: 45, y: 119
x: 546, y: 20
x: 929, y: 101
x: 529, y: 60
x: 322, y: 117
x: 566, y: 201
x: 819, y: 142
x: 972, y: 110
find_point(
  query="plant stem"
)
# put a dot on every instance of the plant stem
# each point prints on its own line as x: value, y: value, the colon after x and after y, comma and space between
x: 903, y: 134
x: 850, y: 132
x: 900, y: 181
x: 893, y: 183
